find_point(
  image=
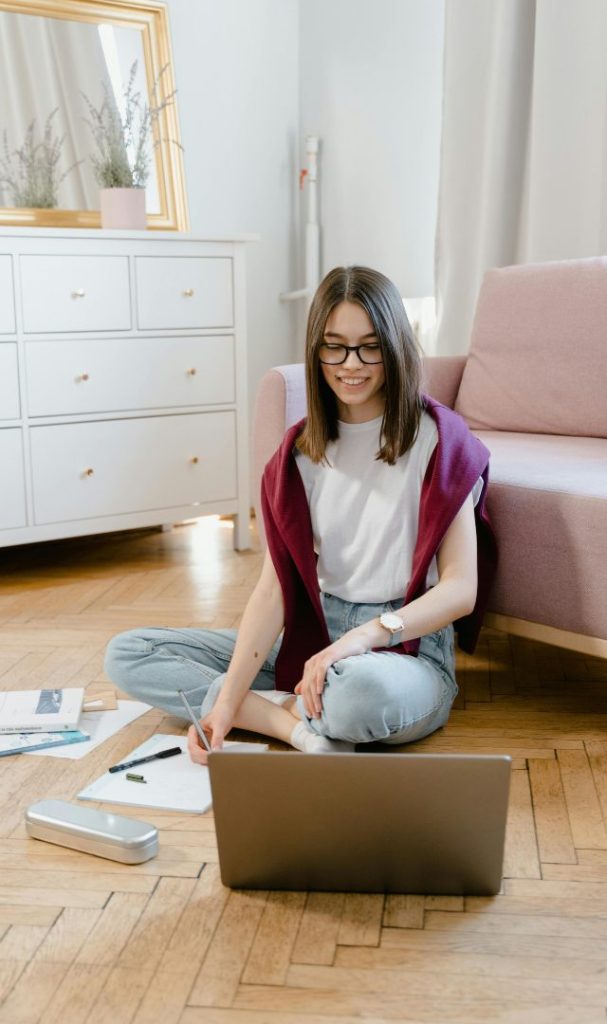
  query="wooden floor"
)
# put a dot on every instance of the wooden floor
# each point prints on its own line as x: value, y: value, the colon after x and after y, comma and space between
x: 84, y: 939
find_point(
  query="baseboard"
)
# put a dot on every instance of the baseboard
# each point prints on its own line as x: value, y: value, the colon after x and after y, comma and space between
x: 592, y: 645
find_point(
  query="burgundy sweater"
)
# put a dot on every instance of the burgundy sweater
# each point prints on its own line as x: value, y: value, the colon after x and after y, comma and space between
x: 457, y: 462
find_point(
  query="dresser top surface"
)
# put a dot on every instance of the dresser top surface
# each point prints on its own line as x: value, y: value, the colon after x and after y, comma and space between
x: 139, y: 236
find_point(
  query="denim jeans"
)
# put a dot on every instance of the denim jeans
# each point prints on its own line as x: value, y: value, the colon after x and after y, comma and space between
x: 377, y: 696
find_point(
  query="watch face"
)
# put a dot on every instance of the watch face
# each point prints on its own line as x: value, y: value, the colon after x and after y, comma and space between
x: 391, y: 621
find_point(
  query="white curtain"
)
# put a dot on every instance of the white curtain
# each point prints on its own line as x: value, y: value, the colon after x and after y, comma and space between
x: 524, y: 145
x: 45, y: 63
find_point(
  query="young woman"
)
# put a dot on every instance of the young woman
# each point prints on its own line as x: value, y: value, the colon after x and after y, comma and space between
x: 377, y: 543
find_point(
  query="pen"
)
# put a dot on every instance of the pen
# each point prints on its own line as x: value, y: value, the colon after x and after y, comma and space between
x: 144, y: 760
x: 195, y: 721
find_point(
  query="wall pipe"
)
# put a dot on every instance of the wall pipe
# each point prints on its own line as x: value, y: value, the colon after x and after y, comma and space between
x: 309, y: 177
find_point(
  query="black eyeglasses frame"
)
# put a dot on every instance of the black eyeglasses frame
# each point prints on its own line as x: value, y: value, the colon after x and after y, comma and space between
x: 348, y: 349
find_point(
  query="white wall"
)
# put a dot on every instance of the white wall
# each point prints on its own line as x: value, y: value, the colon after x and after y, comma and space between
x: 236, y: 69
x: 253, y: 78
x: 370, y: 86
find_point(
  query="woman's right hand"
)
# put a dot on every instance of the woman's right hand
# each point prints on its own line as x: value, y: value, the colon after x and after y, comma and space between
x: 216, y: 725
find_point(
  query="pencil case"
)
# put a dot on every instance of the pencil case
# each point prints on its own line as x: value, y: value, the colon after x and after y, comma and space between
x: 82, y: 828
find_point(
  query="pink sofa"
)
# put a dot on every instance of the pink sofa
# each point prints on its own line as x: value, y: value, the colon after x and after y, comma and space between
x: 533, y: 388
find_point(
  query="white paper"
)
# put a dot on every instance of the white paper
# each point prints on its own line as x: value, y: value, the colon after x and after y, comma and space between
x: 172, y: 784
x: 101, y: 725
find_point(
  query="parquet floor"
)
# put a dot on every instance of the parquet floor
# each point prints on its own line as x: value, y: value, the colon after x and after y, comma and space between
x: 88, y: 940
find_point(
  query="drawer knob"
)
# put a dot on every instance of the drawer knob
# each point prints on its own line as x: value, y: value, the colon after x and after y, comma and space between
x: 78, y: 294
x: 82, y: 376
x: 187, y: 293
x: 194, y: 460
x: 191, y: 372
x: 88, y: 472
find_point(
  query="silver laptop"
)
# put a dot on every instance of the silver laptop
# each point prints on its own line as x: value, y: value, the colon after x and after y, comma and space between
x: 406, y: 823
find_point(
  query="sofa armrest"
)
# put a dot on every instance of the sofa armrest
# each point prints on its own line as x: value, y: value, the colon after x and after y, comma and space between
x: 280, y: 402
x: 442, y: 376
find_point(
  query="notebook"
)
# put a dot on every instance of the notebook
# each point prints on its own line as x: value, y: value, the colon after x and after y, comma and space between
x: 40, y: 710
x: 27, y: 742
x: 174, y: 784
x: 405, y: 823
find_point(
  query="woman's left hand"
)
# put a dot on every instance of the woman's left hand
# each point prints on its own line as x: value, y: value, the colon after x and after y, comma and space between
x: 312, y: 683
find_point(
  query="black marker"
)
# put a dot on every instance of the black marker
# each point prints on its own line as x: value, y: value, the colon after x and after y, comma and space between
x: 144, y: 760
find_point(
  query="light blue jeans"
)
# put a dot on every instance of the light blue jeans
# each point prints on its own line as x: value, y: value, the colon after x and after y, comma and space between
x: 378, y: 696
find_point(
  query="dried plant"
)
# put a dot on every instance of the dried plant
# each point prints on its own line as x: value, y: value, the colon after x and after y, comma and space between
x: 125, y: 144
x: 31, y: 172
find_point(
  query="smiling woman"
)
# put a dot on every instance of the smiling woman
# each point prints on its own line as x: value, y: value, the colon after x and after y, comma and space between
x: 372, y: 555
x: 51, y: 53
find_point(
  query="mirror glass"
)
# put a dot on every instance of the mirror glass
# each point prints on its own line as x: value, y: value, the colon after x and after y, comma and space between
x: 49, y: 68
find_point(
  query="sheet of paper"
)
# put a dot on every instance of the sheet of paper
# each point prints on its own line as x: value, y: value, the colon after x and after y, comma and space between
x: 173, y: 784
x: 101, y: 725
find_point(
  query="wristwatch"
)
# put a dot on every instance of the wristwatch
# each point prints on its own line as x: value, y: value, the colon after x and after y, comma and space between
x: 393, y: 623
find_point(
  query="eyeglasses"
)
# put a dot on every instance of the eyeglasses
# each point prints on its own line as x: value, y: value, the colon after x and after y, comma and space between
x: 335, y: 354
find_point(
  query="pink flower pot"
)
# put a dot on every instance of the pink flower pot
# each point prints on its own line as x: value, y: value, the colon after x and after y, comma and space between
x: 123, y: 208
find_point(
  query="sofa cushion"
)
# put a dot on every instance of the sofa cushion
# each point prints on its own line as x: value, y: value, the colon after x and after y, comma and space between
x: 548, y: 505
x: 538, y: 357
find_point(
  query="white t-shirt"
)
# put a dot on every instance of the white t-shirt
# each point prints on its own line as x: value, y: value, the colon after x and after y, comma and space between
x: 365, y: 512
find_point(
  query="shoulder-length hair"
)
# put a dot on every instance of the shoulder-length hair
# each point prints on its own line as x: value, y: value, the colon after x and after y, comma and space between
x: 380, y: 298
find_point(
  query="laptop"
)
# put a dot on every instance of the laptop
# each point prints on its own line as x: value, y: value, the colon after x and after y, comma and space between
x: 361, y: 822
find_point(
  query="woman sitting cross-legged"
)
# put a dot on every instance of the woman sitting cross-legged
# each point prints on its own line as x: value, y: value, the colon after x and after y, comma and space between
x: 378, y: 543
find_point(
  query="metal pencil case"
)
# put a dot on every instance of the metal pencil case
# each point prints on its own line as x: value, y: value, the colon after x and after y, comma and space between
x: 82, y: 828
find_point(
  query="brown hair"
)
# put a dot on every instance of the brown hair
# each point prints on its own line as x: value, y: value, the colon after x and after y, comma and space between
x: 380, y: 298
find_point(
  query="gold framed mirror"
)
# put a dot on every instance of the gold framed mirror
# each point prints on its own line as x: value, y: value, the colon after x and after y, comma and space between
x: 53, y: 54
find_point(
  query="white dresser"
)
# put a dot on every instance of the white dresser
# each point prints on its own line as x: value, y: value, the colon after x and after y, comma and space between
x: 123, y: 382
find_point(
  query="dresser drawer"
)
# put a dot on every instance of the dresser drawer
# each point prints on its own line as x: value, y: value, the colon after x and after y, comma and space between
x: 12, y: 492
x: 132, y: 373
x: 7, y: 303
x: 75, y: 293
x: 9, y: 382
x: 85, y: 470
x: 183, y: 291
